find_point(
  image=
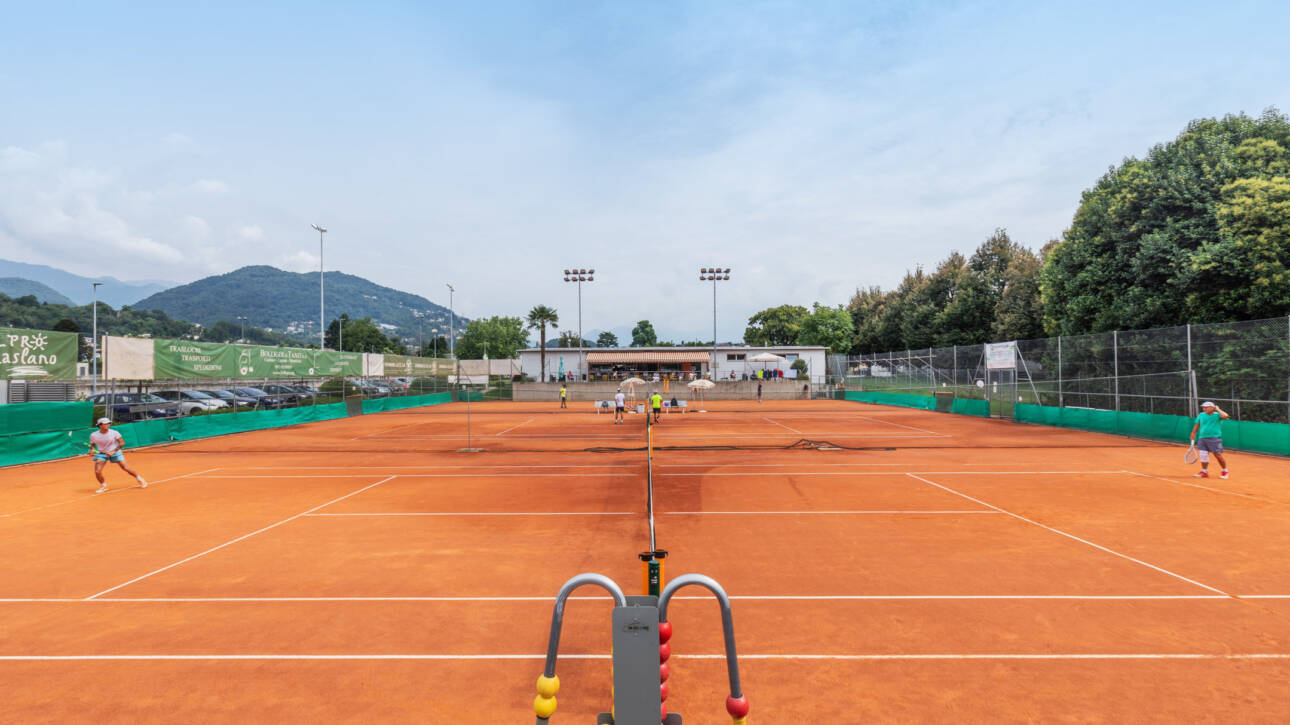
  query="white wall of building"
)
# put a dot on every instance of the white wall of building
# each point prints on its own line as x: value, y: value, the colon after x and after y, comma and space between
x: 728, y: 360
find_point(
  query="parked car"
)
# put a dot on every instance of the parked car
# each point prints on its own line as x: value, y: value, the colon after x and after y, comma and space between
x: 305, y: 392
x: 372, y: 388
x: 262, y: 398
x: 285, y: 392
x: 230, y: 397
x: 129, y: 406
x: 399, y: 384
x: 192, y: 401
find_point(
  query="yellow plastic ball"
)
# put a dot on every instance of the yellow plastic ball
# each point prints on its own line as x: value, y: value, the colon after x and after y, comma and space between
x: 544, y: 706
x: 548, y: 686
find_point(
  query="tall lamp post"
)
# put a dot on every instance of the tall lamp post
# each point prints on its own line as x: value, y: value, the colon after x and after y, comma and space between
x: 322, y: 317
x: 452, y: 325
x: 243, y: 321
x: 716, y: 274
x: 94, y: 353
x: 579, y: 276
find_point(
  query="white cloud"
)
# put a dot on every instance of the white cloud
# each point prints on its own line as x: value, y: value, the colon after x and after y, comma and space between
x: 299, y: 262
x: 210, y: 186
x: 250, y: 233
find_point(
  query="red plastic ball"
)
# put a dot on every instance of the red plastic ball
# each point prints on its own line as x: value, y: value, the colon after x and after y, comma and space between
x: 663, y: 672
x: 664, y: 651
x: 664, y: 631
x: 737, y: 706
x: 663, y: 690
x: 663, y: 709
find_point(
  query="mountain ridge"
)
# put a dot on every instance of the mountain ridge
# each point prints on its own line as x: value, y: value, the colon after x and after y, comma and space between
x: 77, y: 288
x: 288, y: 302
x: 16, y: 287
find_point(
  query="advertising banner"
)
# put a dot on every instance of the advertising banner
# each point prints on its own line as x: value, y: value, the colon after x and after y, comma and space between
x: 37, y: 354
x: 402, y: 366
x: 1001, y: 355
x: 184, y: 359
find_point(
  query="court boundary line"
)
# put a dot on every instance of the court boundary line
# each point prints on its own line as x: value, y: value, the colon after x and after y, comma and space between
x: 240, y: 538
x: 508, y: 430
x: 854, y: 512
x: 478, y: 513
x: 902, y: 425
x: 1113, y: 552
x: 702, y: 656
x: 741, y: 597
x: 87, y: 497
x: 781, y: 425
x: 1209, y: 488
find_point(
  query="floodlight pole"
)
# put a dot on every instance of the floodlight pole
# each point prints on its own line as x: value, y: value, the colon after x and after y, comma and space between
x: 94, y: 354
x: 715, y: 274
x: 579, y: 276
x: 243, y: 321
x: 322, y: 316
x: 452, y: 326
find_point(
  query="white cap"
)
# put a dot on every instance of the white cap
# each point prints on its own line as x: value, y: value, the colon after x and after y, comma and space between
x: 101, y: 421
x: 1208, y: 404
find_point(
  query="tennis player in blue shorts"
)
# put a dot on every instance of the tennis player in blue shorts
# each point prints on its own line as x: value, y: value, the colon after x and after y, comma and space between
x: 108, y: 446
x: 1209, y: 424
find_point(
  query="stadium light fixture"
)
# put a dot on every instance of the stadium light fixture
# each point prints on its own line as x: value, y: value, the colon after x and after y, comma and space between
x: 579, y: 276
x: 714, y: 275
x: 243, y: 321
x: 452, y: 324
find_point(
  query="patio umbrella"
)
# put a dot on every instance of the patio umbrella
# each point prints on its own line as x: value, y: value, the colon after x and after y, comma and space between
x: 631, y: 383
x: 699, y: 386
x: 766, y: 357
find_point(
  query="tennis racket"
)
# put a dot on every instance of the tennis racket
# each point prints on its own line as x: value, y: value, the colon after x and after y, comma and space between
x: 1192, y: 455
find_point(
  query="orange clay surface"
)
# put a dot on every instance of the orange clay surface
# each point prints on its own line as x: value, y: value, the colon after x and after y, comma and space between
x: 950, y: 570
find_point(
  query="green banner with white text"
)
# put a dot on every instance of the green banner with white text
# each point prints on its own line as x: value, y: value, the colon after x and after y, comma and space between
x: 37, y: 355
x: 186, y: 359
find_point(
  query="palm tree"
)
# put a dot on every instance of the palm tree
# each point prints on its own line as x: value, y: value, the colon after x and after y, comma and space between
x: 539, y: 317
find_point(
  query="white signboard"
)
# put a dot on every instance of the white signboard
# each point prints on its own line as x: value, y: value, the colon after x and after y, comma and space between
x: 1001, y: 355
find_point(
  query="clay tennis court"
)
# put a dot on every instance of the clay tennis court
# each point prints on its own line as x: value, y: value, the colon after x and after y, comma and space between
x: 926, y: 568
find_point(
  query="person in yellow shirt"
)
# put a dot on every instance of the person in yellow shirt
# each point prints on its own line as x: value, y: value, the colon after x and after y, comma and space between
x: 656, y: 402
x: 564, y: 396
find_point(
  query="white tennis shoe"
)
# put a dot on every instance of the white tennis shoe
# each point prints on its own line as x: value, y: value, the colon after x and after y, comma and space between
x: 143, y: 483
x: 102, y: 488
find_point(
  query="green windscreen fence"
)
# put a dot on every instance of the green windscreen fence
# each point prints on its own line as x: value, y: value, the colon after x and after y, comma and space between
x: 18, y: 418
x: 1238, y: 434
x: 960, y: 406
x: 43, y: 445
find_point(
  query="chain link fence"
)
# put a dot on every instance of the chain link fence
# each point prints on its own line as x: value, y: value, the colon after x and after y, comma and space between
x: 1242, y: 366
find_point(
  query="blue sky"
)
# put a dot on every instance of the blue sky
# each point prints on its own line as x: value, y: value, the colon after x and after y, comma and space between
x: 811, y: 147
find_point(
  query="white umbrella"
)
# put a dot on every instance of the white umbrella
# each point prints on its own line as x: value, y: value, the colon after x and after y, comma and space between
x: 631, y: 384
x: 766, y: 357
x: 701, y: 385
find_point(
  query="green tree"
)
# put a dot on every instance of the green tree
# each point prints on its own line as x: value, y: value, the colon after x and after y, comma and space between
x: 84, y: 349
x: 538, y: 319
x: 775, y: 325
x: 866, y: 309
x: 360, y: 335
x: 435, y: 347
x: 1019, y: 315
x: 607, y: 339
x: 643, y: 335
x: 501, y: 337
x: 570, y: 339
x: 1187, y: 234
x: 827, y: 326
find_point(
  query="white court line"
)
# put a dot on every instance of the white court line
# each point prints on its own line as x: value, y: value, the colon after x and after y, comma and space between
x: 886, y: 473
x: 508, y: 430
x: 839, y: 513
x: 481, y: 465
x: 436, y: 475
x: 722, y: 656
x: 1070, y: 536
x: 781, y: 425
x: 240, y: 538
x: 1208, y: 488
x: 743, y: 597
x: 493, y: 513
x: 105, y: 493
x: 902, y: 425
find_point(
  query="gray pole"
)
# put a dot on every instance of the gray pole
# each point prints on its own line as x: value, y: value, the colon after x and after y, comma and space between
x: 340, y: 332
x: 94, y: 354
x: 582, y: 363
x: 1060, y: 400
x: 322, y: 312
x: 1115, y: 349
x: 452, y: 326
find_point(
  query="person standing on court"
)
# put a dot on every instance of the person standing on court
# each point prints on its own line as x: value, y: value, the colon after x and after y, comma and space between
x: 620, y: 402
x: 108, y: 446
x: 1209, y: 424
x: 564, y: 396
x: 656, y: 402
x: 759, y: 391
